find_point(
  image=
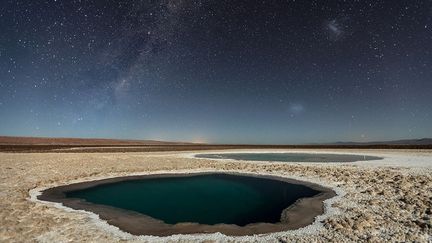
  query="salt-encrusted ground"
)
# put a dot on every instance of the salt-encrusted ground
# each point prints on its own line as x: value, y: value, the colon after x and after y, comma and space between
x: 386, y: 200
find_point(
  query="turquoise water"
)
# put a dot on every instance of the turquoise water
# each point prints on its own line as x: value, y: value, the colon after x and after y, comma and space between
x: 290, y: 157
x: 206, y: 199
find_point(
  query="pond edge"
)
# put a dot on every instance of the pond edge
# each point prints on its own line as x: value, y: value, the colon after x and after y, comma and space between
x: 309, y: 229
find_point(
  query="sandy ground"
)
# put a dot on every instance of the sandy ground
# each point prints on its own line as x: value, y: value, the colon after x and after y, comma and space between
x: 385, y: 200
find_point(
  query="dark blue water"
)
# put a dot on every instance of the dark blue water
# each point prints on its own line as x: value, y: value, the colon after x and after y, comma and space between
x: 206, y: 199
x: 290, y: 157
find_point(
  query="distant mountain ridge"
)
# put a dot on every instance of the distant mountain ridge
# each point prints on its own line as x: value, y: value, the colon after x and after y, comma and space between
x: 10, y: 140
x: 421, y: 141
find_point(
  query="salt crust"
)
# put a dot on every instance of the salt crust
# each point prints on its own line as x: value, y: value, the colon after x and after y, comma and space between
x: 413, y: 163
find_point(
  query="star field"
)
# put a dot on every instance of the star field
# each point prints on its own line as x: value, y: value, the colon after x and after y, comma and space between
x: 217, y: 71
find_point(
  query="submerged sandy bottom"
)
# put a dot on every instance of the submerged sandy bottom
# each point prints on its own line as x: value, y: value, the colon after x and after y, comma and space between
x: 389, y: 199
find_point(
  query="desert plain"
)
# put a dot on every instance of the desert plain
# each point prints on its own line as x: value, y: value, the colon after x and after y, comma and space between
x: 383, y: 200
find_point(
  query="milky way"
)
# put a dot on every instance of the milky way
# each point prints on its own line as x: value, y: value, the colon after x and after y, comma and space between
x: 218, y: 71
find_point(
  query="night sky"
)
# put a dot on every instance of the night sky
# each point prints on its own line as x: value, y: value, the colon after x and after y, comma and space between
x: 217, y: 71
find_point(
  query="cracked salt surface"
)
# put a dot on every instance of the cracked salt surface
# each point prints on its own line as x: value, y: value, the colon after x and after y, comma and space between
x: 366, y: 190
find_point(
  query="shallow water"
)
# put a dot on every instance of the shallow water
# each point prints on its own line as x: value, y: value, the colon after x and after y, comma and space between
x: 290, y: 157
x: 205, y: 199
